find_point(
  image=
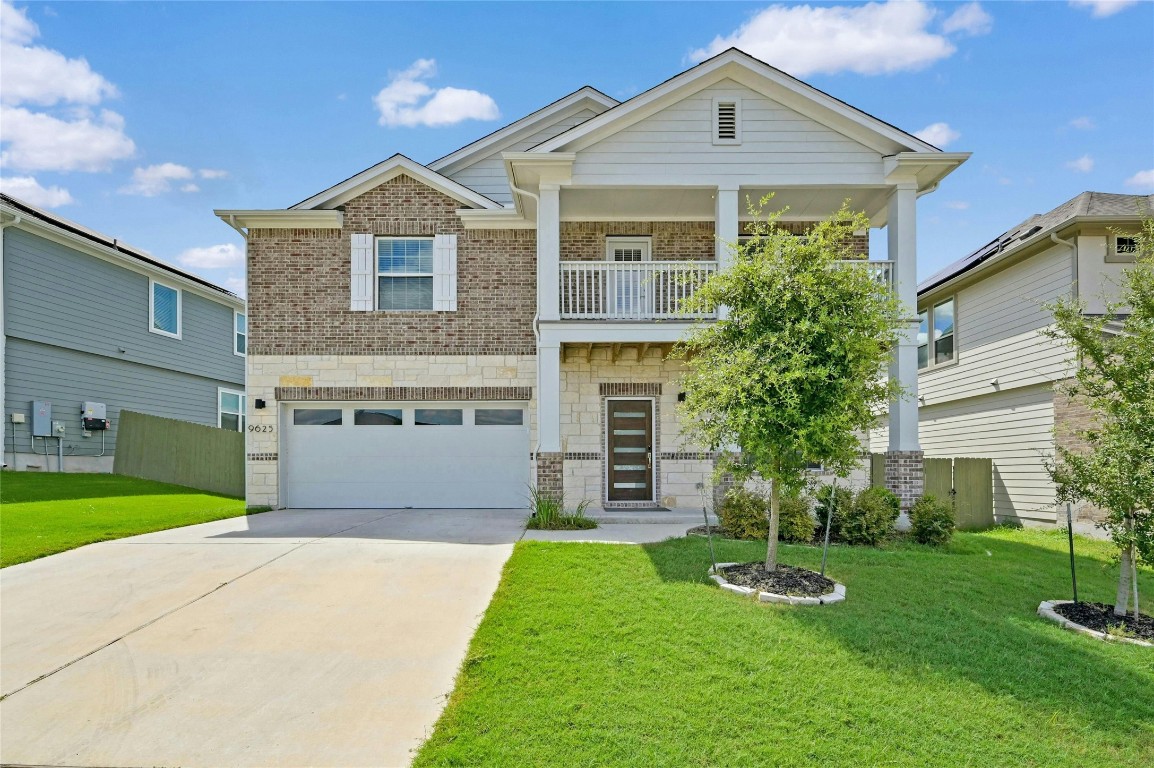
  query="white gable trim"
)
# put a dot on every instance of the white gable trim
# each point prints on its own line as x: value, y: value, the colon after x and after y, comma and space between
x: 758, y: 76
x: 500, y: 140
x: 395, y: 166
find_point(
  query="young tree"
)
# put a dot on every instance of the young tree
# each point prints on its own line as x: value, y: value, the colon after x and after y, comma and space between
x: 1115, y: 377
x: 792, y: 372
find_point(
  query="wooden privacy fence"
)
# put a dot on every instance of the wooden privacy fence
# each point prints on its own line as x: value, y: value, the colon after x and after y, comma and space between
x: 967, y: 483
x: 180, y: 452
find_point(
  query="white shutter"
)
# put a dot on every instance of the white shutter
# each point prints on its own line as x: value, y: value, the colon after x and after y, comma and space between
x: 363, y: 274
x: 445, y: 273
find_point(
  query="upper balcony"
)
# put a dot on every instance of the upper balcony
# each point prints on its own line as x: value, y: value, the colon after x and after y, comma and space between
x: 649, y: 290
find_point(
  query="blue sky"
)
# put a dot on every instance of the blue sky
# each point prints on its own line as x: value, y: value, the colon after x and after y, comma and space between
x: 137, y: 119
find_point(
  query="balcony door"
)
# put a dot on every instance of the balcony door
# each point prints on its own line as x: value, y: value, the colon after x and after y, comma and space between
x: 630, y: 292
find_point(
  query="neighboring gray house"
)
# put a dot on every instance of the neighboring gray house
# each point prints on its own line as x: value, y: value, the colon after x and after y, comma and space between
x: 87, y: 319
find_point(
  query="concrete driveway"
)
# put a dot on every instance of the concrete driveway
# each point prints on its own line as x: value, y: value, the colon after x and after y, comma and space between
x: 293, y: 638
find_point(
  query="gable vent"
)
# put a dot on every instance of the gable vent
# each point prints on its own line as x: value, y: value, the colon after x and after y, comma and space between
x: 726, y: 121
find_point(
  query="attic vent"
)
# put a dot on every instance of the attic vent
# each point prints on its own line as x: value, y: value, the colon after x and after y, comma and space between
x: 726, y: 121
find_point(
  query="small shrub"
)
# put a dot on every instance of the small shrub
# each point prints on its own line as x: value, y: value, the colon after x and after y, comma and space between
x: 870, y: 518
x: 795, y: 524
x: 744, y: 514
x: 843, y: 499
x: 547, y: 513
x: 931, y: 521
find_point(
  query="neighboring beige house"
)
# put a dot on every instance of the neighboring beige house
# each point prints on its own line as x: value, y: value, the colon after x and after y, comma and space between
x: 987, y: 375
x: 445, y: 335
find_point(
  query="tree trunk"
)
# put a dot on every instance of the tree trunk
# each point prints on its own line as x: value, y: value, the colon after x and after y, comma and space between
x: 774, y: 510
x: 1122, y: 599
x: 1134, y: 578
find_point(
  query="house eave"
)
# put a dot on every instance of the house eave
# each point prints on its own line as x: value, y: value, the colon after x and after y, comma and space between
x: 281, y: 219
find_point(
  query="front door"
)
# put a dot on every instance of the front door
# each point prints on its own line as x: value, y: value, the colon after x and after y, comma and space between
x: 630, y: 442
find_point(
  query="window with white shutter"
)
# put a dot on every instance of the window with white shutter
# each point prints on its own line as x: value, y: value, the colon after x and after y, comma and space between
x: 445, y: 273
x: 363, y: 274
x: 726, y: 121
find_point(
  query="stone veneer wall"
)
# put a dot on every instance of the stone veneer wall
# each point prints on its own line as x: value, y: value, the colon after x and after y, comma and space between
x: 583, y: 391
x: 299, y: 284
x: 305, y: 373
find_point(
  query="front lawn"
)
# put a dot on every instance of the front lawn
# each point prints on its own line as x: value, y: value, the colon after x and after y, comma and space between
x: 598, y: 654
x: 45, y: 513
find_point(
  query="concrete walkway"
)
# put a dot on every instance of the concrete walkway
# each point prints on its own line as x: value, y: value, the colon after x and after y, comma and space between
x: 294, y: 638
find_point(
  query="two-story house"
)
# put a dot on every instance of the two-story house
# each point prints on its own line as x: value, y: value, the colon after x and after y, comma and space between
x: 987, y: 373
x: 444, y: 335
x: 93, y: 326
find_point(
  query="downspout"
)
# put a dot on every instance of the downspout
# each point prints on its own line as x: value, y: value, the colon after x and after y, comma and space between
x: 16, y: 219
x: 536, y: 326
x: 1073, y: 246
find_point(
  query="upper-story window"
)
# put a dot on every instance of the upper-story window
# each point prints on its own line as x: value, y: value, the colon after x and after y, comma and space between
x: 230, y: 411
x: 240, y: 333
x: 1122, y: 248
x: 936, y: 345
x: 726, y: 121
x: 404, y: 273
x: 164, y: 309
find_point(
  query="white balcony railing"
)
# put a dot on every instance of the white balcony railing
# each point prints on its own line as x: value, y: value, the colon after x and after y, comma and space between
x: 631, y: 290
x: 882, y: 271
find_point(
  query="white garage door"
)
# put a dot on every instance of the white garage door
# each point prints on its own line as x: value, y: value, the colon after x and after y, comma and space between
x: 396, y: 455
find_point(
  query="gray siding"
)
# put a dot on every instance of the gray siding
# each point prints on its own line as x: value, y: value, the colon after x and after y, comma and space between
x: 66, y: 378
x: 56, y: 295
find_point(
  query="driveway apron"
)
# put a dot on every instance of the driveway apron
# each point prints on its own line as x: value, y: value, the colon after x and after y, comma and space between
x: 291, y: 638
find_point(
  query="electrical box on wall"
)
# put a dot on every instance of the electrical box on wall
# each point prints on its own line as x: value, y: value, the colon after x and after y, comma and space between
x: 41, y: 418
x: 95, y: 416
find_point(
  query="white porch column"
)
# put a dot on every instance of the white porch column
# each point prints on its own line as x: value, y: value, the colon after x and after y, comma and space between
x: 904, y: 459
x: 549, y: 253
x: 549, y: 397
x: 726, y: 229
x: 726, y: 224
x: 902, y: 233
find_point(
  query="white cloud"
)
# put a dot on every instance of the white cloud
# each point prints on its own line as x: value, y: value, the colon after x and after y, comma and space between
x: 29, y: 190
x: 1083, y: 123
x: 213, y: 257
x: 958, y: 205
x: 1142, y: 180
x: 211, y: 173
x: 36, y: 75
x: 189, y: 188
x: 871, y: 39
x: 970, y: 19
x: 36, y: 141
x: 938, y: 134
x: 1083, y: 164
x: 408, y: 101
x: 1100, y: 9
x: 156, y: 179
x: 15, y: 26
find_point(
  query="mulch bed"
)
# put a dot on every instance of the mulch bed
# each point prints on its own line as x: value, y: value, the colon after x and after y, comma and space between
x: 702, y: 530
x: 1100, y: 618
x: 786, y: 580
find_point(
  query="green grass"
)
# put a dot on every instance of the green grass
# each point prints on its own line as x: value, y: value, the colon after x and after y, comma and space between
x: 45, y: 513
x: 603, y: 655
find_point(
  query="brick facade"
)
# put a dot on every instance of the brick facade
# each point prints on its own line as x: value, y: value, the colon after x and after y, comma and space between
x: 550, y: 474
x: 672, y: 240
x: 906, y: 476
x: 1072, y: 417
x: 299, y: 284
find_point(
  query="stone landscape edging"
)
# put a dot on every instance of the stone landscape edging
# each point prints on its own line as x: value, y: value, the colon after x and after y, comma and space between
x: 1046, y: 611
x: 836, y: 596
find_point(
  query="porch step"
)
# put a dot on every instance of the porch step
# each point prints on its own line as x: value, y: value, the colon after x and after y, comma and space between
x: 688, y: 517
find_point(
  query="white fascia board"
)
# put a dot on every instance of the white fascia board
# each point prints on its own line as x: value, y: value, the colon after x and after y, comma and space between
x: 755, y: 74
x: 282, y: 219
x: 119, y: 258
x: 584, y: 98
x: 387, y: 170
x: 506, y: 218
x: 927, y: 170
x: 525, y: 170
x: 610, y: 332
